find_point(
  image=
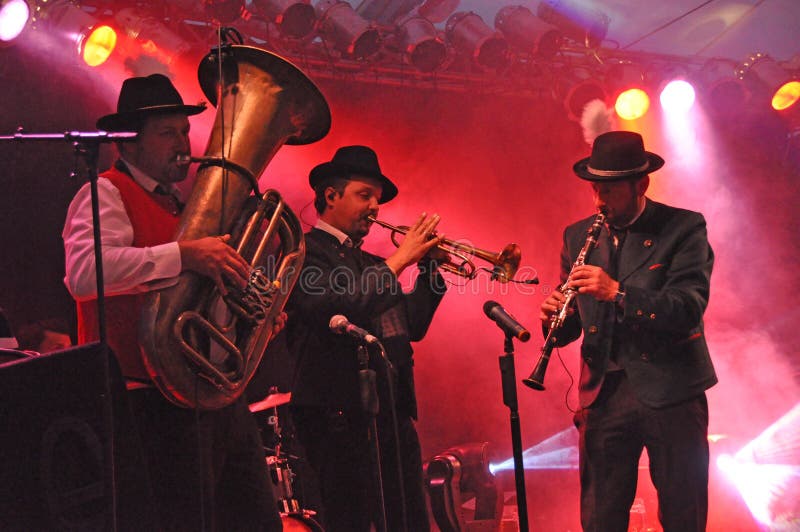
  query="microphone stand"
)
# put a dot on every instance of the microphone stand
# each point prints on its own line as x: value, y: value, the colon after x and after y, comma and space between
x: 388, y: 368
x: 369, y: 404
x: 509, y: 383
x: 87, y: 146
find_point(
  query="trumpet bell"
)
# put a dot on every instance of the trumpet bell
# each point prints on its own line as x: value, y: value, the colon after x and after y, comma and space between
x: 507, y: 263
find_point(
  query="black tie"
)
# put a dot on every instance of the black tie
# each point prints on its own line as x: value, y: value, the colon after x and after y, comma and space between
x: 617, y: 240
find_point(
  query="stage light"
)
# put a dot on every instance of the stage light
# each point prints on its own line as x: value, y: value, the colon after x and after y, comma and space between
x: 579, y: 87
x: 627, y: 88
x: 766, y: 472
x: 468, y: 33
x: 437, y: 10
x: 453, y: 478
x: 783, y: 90
x: 386, y: 11
x: 422, y: 47
x: 677, y: 96
x: 632, y: 104
x: 94, y: 42
x: 349, y: 32
x: 578, y: 22
x: 14, y: 16
x: 98, y: 45
x: 722, y: 90
x: 156, y: 39
x: 528, y: 33
x: 224, y: 11
x: 293, y: 18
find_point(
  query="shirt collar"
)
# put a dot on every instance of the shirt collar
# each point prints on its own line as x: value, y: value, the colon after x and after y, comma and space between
x: 147, y: 182
x: 341, y: 236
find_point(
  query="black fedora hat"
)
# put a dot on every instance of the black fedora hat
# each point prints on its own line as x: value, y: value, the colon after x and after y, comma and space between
x: 617, y: 155
x: 145, y: 96
x: 353, y: 160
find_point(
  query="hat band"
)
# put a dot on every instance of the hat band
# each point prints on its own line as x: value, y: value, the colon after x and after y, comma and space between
x: 612, y: 173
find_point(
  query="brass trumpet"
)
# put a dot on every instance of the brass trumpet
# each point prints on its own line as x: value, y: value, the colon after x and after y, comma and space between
x: 505, y: 263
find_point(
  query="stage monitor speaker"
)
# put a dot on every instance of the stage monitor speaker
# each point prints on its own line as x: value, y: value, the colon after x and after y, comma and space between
x: 55, y: 451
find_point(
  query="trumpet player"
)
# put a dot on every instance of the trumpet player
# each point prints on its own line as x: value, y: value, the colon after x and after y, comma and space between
x: 206, y: 469
x: 645, y: 366
x: 340, y: 279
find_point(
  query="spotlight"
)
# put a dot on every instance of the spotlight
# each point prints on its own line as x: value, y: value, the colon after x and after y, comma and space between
x: 350, y: 33
x: 723, y: 91
x: 677, y: 96
x: 14, y: 16
x: 156, y: 39
x: 528, y: 33
x: 626, y: 80
x: 675, y: 90
x: 468, y: 33
x: 421, y: 44
x: 632, y: 104
x: 582, y: 24
x: 386, y: 11
x: 99, y: 45
x: 783, y: 89
x: 293, y: 18
x: 224, y: 11
x: 94, y: 42
x: 579, y: 88
x: 456, y: 475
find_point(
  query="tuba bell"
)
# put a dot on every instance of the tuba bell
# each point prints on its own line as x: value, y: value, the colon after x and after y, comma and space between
x: 199, y: 348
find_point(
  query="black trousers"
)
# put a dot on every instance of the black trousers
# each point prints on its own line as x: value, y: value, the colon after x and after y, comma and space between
x: 207, y: 469
x: 613, y: 433
x: 338, y: 448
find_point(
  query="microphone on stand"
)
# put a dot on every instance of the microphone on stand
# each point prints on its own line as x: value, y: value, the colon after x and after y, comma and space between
x: 506, y: 321
x: 341, y: 325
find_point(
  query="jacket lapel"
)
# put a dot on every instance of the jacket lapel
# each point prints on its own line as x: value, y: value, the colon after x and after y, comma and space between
x: 640, y: 244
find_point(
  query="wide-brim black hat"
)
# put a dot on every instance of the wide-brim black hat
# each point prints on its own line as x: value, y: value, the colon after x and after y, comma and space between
x: 353, y: 160
x: 142, y: 97
x: 617, y: 155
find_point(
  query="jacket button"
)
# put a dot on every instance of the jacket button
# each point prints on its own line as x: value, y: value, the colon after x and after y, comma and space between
x: 645, y: 357
x: 648, y: 243
x: 640, y: 312
x: 593, y: 329
x: 652, y: 316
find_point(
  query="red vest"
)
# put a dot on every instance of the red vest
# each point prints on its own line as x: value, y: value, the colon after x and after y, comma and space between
x: 152, y: 225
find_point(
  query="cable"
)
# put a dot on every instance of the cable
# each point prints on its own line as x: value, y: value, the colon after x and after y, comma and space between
x: 726, y: 30
x: 669, y: 23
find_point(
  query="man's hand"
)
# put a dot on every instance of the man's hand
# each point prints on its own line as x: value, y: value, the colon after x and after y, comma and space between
x: 418, y: 241
x: 594, y: 281
x: 551, y: 305
x: 213, y: 257
x: 280, y: 323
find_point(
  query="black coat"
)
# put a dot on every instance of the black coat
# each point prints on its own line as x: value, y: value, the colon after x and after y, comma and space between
x: 359, y: 285
x: 665, y: 269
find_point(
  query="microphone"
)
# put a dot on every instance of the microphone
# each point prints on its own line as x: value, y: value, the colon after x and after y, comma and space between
x: 506, y: 321
x: 341, y: 325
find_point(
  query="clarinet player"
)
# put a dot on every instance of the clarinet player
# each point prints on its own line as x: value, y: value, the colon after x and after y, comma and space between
x: 645, y: 366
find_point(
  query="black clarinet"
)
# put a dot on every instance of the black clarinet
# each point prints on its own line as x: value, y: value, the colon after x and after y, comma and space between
x: 536, y: 379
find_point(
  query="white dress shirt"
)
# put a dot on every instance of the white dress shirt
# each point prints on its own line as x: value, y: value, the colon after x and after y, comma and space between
x: 126, y: 269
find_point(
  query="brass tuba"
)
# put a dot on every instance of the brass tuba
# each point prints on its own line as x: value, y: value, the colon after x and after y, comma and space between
x: 199, y: 349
